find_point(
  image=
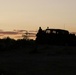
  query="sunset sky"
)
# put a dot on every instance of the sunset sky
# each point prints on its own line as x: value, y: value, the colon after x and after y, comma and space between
x: 30, y: 14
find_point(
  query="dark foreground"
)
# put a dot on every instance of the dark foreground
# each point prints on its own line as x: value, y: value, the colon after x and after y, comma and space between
x: 38, y: 63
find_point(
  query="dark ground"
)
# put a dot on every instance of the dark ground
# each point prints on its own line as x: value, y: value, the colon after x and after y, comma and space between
x: 42, y: 62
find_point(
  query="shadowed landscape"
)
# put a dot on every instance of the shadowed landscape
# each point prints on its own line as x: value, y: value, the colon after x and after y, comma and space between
x: 37, y: 37
x: 53, y: 52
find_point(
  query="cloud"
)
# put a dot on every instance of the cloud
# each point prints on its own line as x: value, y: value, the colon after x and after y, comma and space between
x: 1, y: 35
x: 33, y: 31
x: 16, y: 33
x: 8, y: 32
x: 21, y: 31
x: 12, y: 34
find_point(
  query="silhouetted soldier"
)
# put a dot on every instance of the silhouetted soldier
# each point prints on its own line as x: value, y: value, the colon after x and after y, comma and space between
x: 38, y: 37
